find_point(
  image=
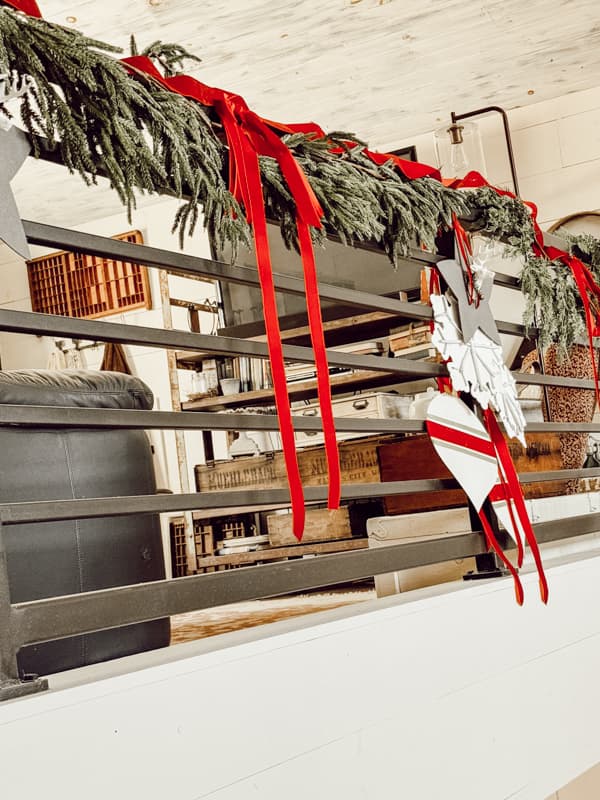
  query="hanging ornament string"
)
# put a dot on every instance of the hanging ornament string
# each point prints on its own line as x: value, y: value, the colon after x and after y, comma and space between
x: 465, y: 252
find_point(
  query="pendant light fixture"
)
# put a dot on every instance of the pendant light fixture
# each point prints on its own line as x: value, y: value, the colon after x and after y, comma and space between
x: 459, y: 147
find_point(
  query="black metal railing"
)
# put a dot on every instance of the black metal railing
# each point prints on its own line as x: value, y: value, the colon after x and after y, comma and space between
x: 28, y: 623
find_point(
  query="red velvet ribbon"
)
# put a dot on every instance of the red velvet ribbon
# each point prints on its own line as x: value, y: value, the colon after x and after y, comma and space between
x: 494, y: 544
x: 588, y: 288
x: 410, y: 169
x: 248, y: 136
x: 466, y: 254
x: 29, y: 7
x: 515, y: 493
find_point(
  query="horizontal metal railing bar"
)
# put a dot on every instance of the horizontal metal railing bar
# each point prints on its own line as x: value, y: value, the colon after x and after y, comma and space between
x: 109, y: 608
x: 91, y: 244
x: 563, y: 427
x: 57, y: 510
x: 68, y: 417
x: 553, y: 380
x: 51, y: 325
x: 566, y: 528
x: 134, y: 419
x: 559, y: 475
x: 507, y: 281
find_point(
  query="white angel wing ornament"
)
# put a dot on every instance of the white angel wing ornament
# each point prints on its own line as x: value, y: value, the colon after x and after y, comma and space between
x: 466, y: 335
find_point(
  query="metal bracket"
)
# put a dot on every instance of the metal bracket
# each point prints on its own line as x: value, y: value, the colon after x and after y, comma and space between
x: 13, y: 688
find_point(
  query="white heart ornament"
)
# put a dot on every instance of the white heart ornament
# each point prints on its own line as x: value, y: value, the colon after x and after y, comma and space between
x: 464, y: 445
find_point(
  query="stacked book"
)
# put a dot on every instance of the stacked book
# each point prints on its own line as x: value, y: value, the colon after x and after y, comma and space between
x: 306, y: 372
x: 413, y: 341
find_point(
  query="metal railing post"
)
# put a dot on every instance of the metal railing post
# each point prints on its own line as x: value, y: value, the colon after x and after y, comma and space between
x: 11, y: 685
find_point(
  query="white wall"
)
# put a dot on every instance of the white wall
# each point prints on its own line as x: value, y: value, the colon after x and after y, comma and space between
x: 453, y: 692
x: 557, y: 152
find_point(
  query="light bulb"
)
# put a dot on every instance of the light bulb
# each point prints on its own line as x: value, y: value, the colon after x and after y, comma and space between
x: 459, y: 163
x: 458, y: 149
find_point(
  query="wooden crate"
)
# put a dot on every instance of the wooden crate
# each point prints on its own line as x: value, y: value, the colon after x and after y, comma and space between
x: 204, y: 543
x: 421, y: 527
x: 414, y: 458
x: 358, y: 461
x: 410, y: 337
x: 322, y: 525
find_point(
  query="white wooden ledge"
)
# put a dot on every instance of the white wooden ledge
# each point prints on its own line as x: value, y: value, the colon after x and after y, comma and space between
x: 447, y: 693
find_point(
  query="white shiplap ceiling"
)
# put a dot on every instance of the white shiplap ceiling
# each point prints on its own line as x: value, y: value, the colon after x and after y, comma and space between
x: 384, y: 69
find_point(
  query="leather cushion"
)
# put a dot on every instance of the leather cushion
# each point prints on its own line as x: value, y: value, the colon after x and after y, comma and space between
x: 74, y: 388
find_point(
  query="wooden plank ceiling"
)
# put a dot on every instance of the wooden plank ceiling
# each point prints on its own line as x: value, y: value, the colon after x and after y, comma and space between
x: 384, y: 69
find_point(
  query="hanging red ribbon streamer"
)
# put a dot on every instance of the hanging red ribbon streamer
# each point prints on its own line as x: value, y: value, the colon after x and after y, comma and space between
x: 248, y: 136
x: 588, y: 288
x: 494, y: 544
x: 466, y: 253
x: 515, y: 494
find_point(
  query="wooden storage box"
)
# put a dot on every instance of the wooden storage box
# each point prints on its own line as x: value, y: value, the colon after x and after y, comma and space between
x: 358, y: 462
x: 414, y: 458
x: 322, y: 525
x: 407, y: 337
x: 386, y: 531
x: 374, y: 405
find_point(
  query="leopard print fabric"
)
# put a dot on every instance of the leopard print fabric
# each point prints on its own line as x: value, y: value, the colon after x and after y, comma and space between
x: 571, y: 405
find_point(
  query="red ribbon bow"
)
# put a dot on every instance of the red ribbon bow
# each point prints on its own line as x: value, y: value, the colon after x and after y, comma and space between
x: 249, y: 136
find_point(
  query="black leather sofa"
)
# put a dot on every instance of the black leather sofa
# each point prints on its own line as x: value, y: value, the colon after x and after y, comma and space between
x: 58, y: 558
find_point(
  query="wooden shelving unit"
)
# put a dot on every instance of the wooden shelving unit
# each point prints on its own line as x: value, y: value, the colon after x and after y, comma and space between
x: 303, y: 390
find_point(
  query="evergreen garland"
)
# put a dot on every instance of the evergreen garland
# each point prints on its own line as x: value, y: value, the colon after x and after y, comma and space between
x: 586, y: 247
x: 102, y: 121
x: 553, y: 303
x: 85, y: 104
x: 361, y: 201
x: 501, y: 217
